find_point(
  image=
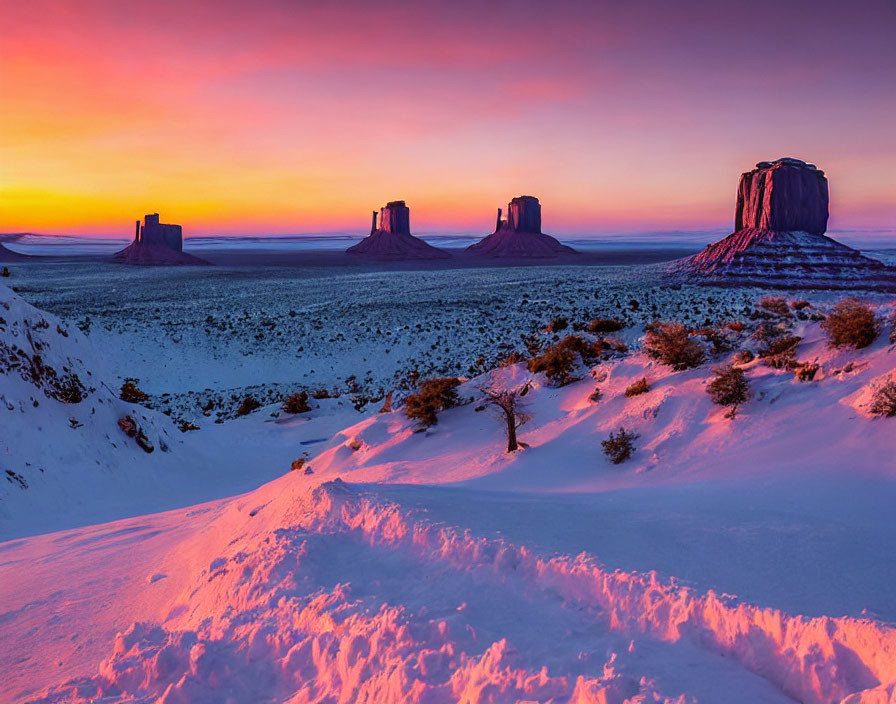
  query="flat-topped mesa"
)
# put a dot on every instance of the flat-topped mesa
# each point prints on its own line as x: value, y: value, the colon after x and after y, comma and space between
x: 395, y: 217
x: 156, y: 244
x: 785, y: 195
x: 520, y: 234
x: 157, y: 233
x: 780, y: 219
x: 392, y: 238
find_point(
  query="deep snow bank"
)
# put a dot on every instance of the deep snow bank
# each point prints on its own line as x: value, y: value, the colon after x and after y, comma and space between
x: 270, y: 617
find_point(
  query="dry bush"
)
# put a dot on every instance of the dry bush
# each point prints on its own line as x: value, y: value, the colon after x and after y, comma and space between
x: 618, y: 447
x: 780, y: 352
x: 883, y: 400
x: 806, y: 371
x: 744, y: 357
x: 559, y: 361
x: 510, y: 359
x: 851, y: 324
x: 557, y: 324
x: 296, y: 403
x: 603, y: 325
x: 131, y: 393
x: 775, y: 304
x: 639, y: 387
x: 510, y: 406
x: 433, y: 396
x: 729, y: 388
x: 671, y: 344
x: 249, y: 404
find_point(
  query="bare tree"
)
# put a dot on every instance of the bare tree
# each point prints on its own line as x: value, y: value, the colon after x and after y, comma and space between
x: 508, y: 402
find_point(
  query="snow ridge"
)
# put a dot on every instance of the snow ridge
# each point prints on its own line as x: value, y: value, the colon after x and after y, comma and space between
x: 253, y: 625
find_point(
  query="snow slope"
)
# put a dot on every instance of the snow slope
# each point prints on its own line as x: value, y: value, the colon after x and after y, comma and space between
x: 64, y: 464
x: 739, y: 560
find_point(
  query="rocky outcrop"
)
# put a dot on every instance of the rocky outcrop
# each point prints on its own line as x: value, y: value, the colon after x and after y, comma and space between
x: 780, y: 219
x: 520, y: 234
x: 156, y: 244
x: 392, y: 238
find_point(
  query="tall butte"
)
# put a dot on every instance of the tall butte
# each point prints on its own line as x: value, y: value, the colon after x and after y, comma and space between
x: 156, y: 244
x: 392, y: 238
x: 520, y: 234
x: 780, y: 220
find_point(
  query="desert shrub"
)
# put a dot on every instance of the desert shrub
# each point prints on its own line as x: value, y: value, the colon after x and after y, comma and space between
x: 775, y: 304
x: 639, y: 387
x: 851, y: 324
x: 615, y: 344
x: 806, y: 371
x: 131, y: 393
x: 433, y: 396
x: 69, y: 389
x: 296, y: 403
x: 729, y: 388
x: 558, y: 362
x: 883, y: 400
x: 766, y: 332
x: 595, y: 395
x: 249, y: 404
x: 780, y: 352
x: 510, y: 359
x: 618, y: 447
x: 744, y: 357
x: 671, y: 344
x: 557, y: 324
x: 602, y: 325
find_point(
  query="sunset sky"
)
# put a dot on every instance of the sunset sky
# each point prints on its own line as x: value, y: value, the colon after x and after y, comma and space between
x: 290, y: 117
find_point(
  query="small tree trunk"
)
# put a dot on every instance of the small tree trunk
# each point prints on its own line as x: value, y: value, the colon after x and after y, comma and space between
x: 512, y: 445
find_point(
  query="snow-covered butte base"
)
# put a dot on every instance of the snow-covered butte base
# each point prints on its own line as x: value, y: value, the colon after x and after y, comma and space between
x: 515, y: 243
x: 143, y: 254
x: 382, y: 244
x: 787, y: 259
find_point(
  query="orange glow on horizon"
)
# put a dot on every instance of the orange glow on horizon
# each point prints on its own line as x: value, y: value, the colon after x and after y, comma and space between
x: 294, y: 118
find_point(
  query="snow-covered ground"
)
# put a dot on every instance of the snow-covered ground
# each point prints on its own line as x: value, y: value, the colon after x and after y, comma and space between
x: 744, y: 560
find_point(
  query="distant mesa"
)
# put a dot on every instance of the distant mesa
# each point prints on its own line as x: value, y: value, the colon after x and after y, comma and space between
x: 7, y: 255
x: 520, y: 234
x: 156, y: 244
x: 780, y: 220
x: 392, y: 238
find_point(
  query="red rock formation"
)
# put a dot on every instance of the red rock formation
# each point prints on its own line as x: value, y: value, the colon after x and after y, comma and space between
x: 156, y: 244
x: 393, y: 238
x: 780, y: 220
x: 520, y: 235
x: 787, y: 195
